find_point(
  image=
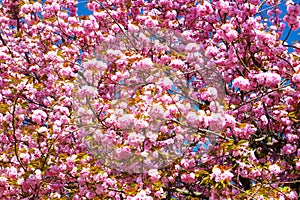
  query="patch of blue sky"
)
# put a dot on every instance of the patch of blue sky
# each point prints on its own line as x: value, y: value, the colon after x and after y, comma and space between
x: 202, y: 146
x: 26, y: 121
x: 195, y: 107
x: 195, y: 149
x: 117, y: 95
x: 82, y: 9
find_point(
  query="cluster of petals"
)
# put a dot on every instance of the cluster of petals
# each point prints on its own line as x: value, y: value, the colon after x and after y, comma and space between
x: 241, y: 83
x: 292, y: 17
x: 77, y: 90
x: 268, y: 79
x: 219, y: 175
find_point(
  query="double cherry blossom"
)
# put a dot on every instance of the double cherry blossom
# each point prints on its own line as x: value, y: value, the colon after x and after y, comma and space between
x: 156, y: 99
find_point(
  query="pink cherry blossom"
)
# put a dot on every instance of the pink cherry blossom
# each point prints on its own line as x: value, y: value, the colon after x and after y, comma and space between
x: 188, y: 178
x: 176, y: 63
x: 39, y: 116
x: 154, y: 174
x: 165, y: 83
x: 241, y: 83
x: 274, y: 169
x: 149, y: 99
x: 216, y: 174
x: 288, y: 149
x: 226, y: 175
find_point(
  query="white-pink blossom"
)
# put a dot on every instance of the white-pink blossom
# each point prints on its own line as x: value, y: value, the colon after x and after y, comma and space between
x: 176, y: 63
x: 39, y: 116
x: 166, y: 83
x: 274, y: 169
x: 242, y: 83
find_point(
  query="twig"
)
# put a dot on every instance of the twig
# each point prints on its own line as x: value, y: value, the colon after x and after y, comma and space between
x: 287, y: 36
x: 15, y: 137
x: 116, y: 190
x: 242, y: 62
x: 203, y: 130
x: 256, y: 98
x: 4, y: 43
x: 188, y: 193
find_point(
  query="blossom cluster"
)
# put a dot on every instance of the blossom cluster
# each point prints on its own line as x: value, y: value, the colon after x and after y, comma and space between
x: 149, y: 100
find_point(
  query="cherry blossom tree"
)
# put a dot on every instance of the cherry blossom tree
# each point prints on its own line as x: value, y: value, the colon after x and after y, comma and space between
x: 153, y: 99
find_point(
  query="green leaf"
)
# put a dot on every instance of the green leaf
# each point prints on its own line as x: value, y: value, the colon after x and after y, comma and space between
x: 242, y: 142
x: 3, y: 108
x: 201, y: 172
x: 205, y: 180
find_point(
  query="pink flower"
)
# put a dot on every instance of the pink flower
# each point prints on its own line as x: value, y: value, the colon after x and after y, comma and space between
x: 296, y: 78
x: 140, y: 124
x: 39, y: 116
x: 150, y: 23
x: 192, y: 119
x: 274, y: 169
x: 288, y: 149
x: 87, y: 91
x: 154, y: 175
x: 157, y: 110
x: 242, y: 83
x: 216, y: 174
x: 215, y: 107
x: 12, y: 172
x: 254, y: 173
x: 264, y: 120
x: 292, y: 19
x: 229, y: 33
x: 293, y: 9
x: 192, y: 48
x: 164, y: 59
x: 229, y: 121
x: 38, y: 174
x: 25, y: 157
x: 226, y: 176
x: 176, y: 63
x: 188, y: 178
x: 133, y: 28
x: 164, y: 129
x: 135, y: 139
x: 122, y: 153
x: 190, y: 163
x: 144, y: 64
x: 94, y: 64
x: 142, y: 195
x: 152, y: 136
x: 184, y: 108
x: 204, y: 9
x: 113, y: 54
x: 125, y: 121
x: 292, y: 138
x: 213, y: 92
x: 93, y: 6
x: 211, y: 51
x: 292, y: 195
x: 268, y: 79
x: 298, y: 165
x: 216, y: 121
x: 255, y: 2
x: 166, y: 3
x: 165, y: 83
